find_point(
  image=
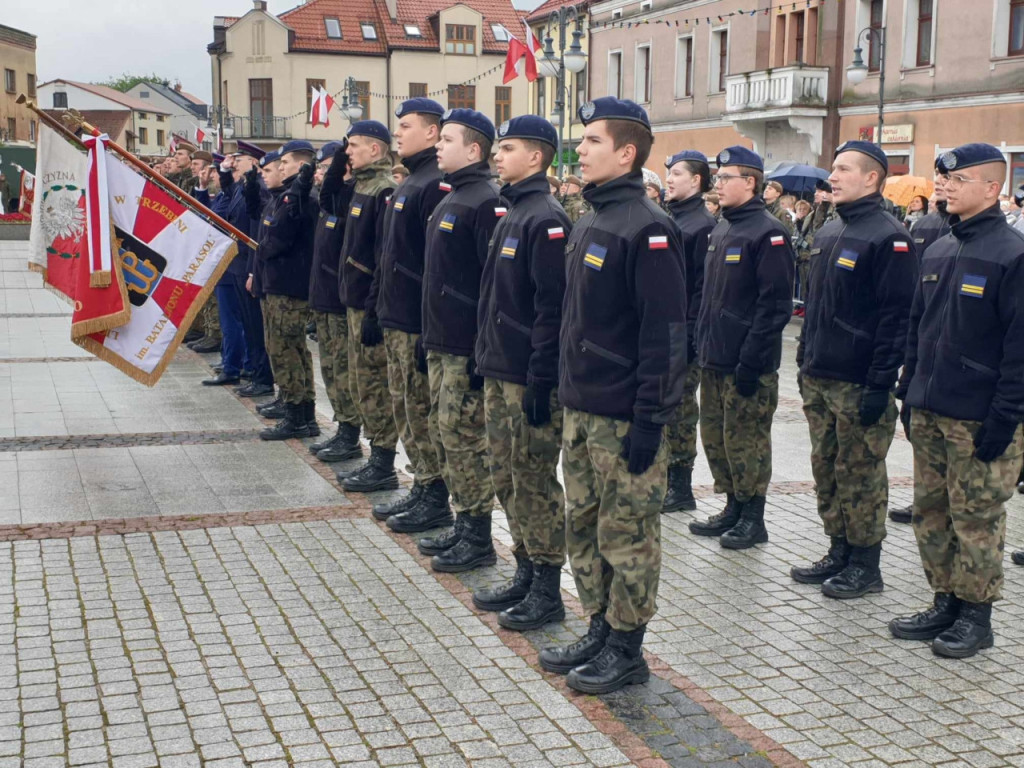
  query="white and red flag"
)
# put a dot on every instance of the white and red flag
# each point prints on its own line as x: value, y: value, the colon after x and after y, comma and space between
x: 518, y: 50
x: 200, y: 135
x: 531, y: 39
x: 26, y: 192
x: 320, y: 107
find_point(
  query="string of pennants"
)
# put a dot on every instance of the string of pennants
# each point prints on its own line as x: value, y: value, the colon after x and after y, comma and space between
x: 708, y: 20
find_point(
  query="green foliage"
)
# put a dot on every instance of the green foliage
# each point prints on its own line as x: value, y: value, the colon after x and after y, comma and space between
x: 125, y: 81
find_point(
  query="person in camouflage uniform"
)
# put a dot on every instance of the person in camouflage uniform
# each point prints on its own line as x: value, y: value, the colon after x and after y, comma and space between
x: 963, y: 393
x: 573, y: 203
x: 772, y: 203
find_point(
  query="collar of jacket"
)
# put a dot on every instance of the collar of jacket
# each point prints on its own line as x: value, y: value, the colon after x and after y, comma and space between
x: 288, y: 182
x: 373, y: 169
x: 683, y: 207
x: 619, y: 190
x: 749, y: 209
x: 420, y: 159
x: 859, y: 208
x: 978, y: 224
x: 531, y: 185
x: 278, y: 191
x: 473, y: 172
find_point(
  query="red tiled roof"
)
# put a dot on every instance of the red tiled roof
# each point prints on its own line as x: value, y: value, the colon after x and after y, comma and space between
x: 544, y: 10
x: 193, y: 99
x: 111, y: 93
x: 307, y: 21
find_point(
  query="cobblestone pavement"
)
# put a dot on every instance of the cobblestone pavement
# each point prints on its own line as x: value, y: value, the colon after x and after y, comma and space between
x: 174, y: 592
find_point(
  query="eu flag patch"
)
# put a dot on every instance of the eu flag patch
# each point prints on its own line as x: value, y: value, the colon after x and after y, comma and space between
x: 332, y: 222
x: 733, y: 255
x: 355, y: 211
x: 594, y: 257
x: 267, y: 222
x: 400, y: 203
x: 847, y: 260
x: 973, y: 285
x: 508, y: 248
x: 447, y: 222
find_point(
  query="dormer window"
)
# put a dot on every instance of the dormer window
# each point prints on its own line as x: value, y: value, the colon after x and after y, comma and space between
x: 369, y: 31
x: 460, y: 39
x: 411, y: 30
x: 500, y: 33
x: 333, y: 27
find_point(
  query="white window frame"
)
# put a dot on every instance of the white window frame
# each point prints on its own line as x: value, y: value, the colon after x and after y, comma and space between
x: 681, y: 62
x: 646, y: 5
x: 911, y: 10
x: 617, y: 14
x: 327, y: 27
x: 643, y: 95
x: 617, y: 90
x: 713, y: 58
x: 501, y: 34
x: 369, y: 30
x: 1001, y: 29
x: 416, y: 31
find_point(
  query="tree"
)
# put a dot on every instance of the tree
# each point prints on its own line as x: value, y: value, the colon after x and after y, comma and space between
x: 126, y: 81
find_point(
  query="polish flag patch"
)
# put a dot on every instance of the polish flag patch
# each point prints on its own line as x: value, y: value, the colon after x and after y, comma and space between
x: 900, y: 246
x: 556, y: 233
x: 499, y: 212
x: 444, y: 186
x: 657, y: 242
x: 778, y: 240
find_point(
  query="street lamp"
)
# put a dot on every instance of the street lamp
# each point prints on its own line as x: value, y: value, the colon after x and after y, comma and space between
x: 857, y: 72
x: 554, y: 66
x: 350, y: 106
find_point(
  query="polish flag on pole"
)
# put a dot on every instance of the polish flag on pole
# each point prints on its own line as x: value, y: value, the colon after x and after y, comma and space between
x: 531, y: 39
x: 200, y: 135
x: 320, y: 107
x: 517, y: 49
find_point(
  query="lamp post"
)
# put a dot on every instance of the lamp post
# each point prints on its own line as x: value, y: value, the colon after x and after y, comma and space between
x: 350, y: 106
x: 857, y: 72
x: 554, y: 67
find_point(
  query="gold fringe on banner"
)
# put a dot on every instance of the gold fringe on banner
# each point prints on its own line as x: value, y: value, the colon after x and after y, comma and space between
x: 100, y: 279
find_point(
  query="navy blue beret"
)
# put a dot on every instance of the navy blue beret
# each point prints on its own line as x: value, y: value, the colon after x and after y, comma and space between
x: 297, y: 145
x: 868, y: 148
x: 374, y: 129
x: 529, y: 127
x: 610, y: 108
x: 967, y: 155
x: 330, y: 149
x: 741, y: 156
x: 245, y: 148
x: 687, y: 154
x: 419, y: 104
x: 271, y: 156
x: 470, y: 118
x: 218, y: 158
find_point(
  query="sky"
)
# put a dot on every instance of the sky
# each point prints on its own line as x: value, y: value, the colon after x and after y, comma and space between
x: 92, y: 42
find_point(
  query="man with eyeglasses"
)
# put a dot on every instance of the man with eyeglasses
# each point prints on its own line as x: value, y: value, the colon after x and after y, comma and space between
x: 746, y: 303
x: 850, y: 353
x: 963, y: 392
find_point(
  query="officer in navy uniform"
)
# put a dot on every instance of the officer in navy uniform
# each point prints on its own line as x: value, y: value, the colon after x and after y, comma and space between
x: 519, y: 319
x: 688, y: 180
x: 622, y: 361
x: 850, y: 353
x: 926, y: 231
x: 746, y: 303
x: 963, y: 393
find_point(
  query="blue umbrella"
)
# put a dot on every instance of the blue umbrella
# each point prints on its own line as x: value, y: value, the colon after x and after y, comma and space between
x: 797, y: 178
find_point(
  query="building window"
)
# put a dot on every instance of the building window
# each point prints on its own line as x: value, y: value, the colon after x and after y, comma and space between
x: 684, y: 67
x: 31, y: 130
x: 581, y: 91
x: 1016, y: 170
x: 12, y: 129
x: 143, y: 94
x: 876, y: 22
x: 363, y: 88
x: 60, y: 100
x: 143, y: 116
x: 159, y: 118
x: 9, y: 82
x: 411, y: 30
x: 924, y: 33
x: 615, y: 74
x: 798, y: 36
x: 31, y: 85
x: 502, y: 104
x: 617, y: 13
x: 642, y: 81
x: 541, y: 108
x: 500, y: 33
x: 462, y: 97
x: 1016, y: 47
x: 311, y: 83
x: 719, y: 60
x: 417, y: 90
x: 160, y: 137
x: 645, y: 5
x: 460, y: 39
x: 143, y: 135
x: 261, y: 106
x: 369, y: 31
x: 333, y: 27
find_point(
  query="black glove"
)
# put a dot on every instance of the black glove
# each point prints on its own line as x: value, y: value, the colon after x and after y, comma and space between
x: 476, y: 381
x: 746, y: 381
x: 251, y: 178
x: 993, y: 438
x: 905, y: 419
x: 640, y: 445
x: 873, y: 403
x: 372, y: 335
x: 537, y: 404
x: 421, y: 355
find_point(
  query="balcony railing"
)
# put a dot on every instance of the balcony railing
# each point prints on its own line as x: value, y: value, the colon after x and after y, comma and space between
x: 795, y: 86
x: 257, y: 127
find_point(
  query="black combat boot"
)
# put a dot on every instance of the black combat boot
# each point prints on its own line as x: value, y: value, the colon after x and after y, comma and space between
x: 273, y: 410
x: 309, y: 409
x: 620, y: 663
x: 970, y: 633
x: 565, y: 659
x: 473, y: 550
x: 833, y: 562
x: 902, y: 514
x: 750, y: 529
x: 206, y: 345
x: 435, y: 545
x: 377, y: 474
x: 192, y: 335
x: 718, y: 524
x: 431, y: 510
x: 511, y: 592
x: 319, y: 445
x: 680, y: 494
x: 292, y: 425
x: 929, y: 623
x: 1017, y: 557
x: 344, y: 446
x: 384, y: 511
x: 543, y: 605
x: 860, y: 576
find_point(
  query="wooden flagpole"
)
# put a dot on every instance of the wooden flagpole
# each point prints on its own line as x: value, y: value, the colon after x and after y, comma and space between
x: 182, y: 197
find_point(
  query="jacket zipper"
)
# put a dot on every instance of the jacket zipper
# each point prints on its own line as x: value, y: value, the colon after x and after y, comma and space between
x: 935, y: 347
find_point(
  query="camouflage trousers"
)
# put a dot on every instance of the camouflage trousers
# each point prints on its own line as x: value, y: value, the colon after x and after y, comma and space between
x: 613, y: 534
x: 368, y: 382
x: 848, y: 460
x: 959, y: 519
x: 736, y: 432
x: 284, y: 329
x: 211, y: 319
x: 332, y: 341
x: 457, y: 424
x: 681, y: 432
x: 410, y: 401
x: 524, y: 470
